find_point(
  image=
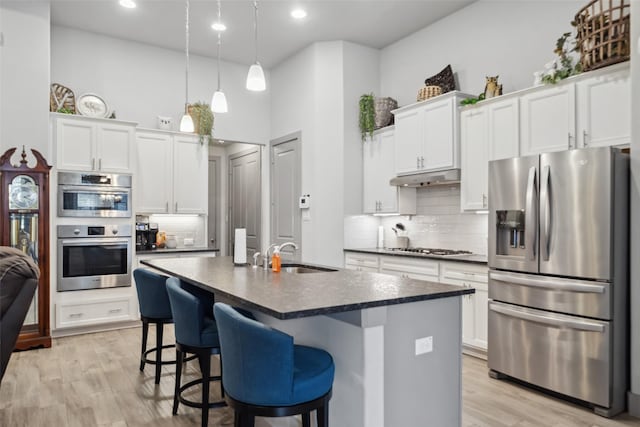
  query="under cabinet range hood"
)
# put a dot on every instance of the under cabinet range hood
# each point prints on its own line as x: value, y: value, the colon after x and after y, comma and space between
x: 427, y: 179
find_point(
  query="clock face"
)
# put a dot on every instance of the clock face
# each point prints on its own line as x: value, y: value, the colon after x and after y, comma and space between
x: 23, y: 193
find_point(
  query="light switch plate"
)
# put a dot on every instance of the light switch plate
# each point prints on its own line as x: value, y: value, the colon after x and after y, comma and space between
x: 424, y: 345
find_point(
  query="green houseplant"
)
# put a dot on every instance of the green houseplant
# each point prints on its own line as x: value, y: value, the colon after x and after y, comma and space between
x: 202, y: 117
x: 367, y: 118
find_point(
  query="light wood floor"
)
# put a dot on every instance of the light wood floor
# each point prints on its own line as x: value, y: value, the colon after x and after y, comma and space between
x: 93, y: 380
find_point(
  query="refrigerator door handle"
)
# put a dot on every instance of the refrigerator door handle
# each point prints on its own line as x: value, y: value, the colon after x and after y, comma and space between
x: 531, y: 215
x: 548, y: 283
x: 547, y: 320
x: 545, y: 207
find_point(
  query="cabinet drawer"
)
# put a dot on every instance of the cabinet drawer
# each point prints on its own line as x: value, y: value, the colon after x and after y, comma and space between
x: 416, y: 269
x: 369, y: 262
x: 459, y: 273
x: 91, y: 313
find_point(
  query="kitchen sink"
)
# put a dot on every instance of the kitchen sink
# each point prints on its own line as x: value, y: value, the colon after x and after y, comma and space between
x: 303, y: 268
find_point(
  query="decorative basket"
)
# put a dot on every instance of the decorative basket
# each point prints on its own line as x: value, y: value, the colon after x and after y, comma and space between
x: 427, y: 92
x: 603, y: 28
x: 383, y: 107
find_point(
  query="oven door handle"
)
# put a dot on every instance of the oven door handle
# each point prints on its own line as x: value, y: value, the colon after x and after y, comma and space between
x: 547, y: 320
x: 94, y: 189
x: 548, y: 283
x: 94, y: 242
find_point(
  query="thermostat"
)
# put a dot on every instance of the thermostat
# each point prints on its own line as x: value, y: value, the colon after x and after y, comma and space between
x: 305, y: 201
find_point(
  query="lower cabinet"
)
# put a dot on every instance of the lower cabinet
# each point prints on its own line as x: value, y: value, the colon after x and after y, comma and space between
x: 474, y: 306
x: 93, y: 312
x: 464, y: 274
x: 361, y: 262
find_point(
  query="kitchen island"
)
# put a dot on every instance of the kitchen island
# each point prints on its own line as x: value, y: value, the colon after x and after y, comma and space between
x: 373, y: 325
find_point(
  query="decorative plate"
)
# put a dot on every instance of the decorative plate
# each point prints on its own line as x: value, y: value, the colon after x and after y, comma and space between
x: 91, y: 105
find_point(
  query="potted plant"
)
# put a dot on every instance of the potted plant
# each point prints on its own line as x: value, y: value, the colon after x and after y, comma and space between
x: 367, y: 119
x: 202, y: 117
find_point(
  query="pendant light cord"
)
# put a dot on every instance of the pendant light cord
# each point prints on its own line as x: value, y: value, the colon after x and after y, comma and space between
x: 255, y: 28
x: 219, y: 43
x: 186, y: 83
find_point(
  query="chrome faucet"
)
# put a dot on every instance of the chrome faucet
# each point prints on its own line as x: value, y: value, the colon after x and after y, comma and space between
x: 287, y: 244
x: 256, y: 255
x: 266, y: 259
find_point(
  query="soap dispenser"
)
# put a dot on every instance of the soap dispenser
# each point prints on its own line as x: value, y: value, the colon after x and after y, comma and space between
x: 275, y: 261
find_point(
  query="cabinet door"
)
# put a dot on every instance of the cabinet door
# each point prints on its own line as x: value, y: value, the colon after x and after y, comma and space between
x: 387, y: 194
x: 504, y: 129
x: 408, y: 146
x: 190, y: 175
x: 474, y: 146
x: 480, y: 315
x: 604, y: 110
x: 114, y: 148
x: 370, y: 156
x: 75, y: 145
x: 548, y: 120
x: 439, y: 136
x: 153, y: 180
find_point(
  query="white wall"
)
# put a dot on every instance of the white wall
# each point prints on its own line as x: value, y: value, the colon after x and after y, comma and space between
x: 511, y: 39
x: 24, y: 77
x: 141, y: 82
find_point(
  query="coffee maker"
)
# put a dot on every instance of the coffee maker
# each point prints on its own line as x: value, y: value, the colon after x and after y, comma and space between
x: 142, y: 235
x: 152, y: 235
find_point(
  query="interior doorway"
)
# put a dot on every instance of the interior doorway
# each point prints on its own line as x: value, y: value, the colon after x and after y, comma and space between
x: 286, y: 189
x: 215, y: 202
x: 244, y: 198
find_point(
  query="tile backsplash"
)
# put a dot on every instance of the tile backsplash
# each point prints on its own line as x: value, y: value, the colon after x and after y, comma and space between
x: 438, y: 223
x: 189, y: 226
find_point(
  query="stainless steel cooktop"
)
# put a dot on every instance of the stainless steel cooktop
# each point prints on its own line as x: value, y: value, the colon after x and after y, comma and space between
x: 431, y: 251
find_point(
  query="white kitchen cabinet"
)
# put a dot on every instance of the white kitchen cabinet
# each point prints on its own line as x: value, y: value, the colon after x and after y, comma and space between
x: 88, y: 144
x: 548, y: 120
x: 474, y: 144
x: 95, y: 311
x: 504, y: 128
x: 412, y: 268
x: 474, y: 306
x: 361, y: 262
x: 604, y: 109
x: 378, y: 168
x: 172, y: 173
x: 427, y: 135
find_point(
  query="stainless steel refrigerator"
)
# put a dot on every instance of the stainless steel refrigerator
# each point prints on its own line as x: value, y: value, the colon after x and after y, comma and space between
x: 558, y: 279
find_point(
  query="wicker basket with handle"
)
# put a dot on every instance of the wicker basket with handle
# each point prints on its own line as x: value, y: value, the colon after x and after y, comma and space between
x: 427, y: 92
x: 603, y: 28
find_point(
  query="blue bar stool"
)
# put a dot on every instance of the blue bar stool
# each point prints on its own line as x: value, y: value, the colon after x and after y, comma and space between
x: 266, y: 375
x: 154, y: 309
x: 196, y: 333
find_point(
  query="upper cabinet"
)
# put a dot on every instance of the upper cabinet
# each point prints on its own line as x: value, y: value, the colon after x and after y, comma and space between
x: 378, y: 168
x: 172, y: 173
x: 604, y: 110
x: 427, y: 135
x: 588, y: 110
x: 88, y: 144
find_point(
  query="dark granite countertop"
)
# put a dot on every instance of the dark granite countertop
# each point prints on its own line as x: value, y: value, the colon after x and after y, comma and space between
x: 473, y: 258
x: 177, y: 250
x: 292, y: 295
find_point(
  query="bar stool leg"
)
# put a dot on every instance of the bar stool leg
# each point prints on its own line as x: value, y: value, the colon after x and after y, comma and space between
x: 145, y: 333
x: 176, y: 393
x: 322, y: 415
x: 205, y: 368
x: 306, y: 420
x: 159, y: 331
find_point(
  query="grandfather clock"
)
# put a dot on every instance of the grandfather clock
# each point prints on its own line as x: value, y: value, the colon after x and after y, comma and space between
x: 24, y: 224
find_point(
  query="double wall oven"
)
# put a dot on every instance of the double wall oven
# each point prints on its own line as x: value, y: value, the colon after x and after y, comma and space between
x: 95, y: 252
x: 558, y: 279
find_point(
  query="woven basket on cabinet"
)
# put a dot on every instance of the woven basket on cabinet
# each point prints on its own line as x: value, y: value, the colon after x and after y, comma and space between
x: 427, y: 92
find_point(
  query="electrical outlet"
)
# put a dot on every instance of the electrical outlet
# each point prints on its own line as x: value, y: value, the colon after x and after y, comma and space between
x: 424, y: 345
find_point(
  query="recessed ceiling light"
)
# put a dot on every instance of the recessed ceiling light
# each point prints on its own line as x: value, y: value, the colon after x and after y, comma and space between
x: 218, y: 26
x: 129, y: 4
x: 298, y: 13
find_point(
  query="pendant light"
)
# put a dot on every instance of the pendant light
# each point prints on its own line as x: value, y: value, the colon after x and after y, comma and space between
x: 186, y: 123
x: 255, y: 78
x: 219, y: 101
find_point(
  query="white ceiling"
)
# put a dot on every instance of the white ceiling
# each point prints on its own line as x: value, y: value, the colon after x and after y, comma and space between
x: 374, y: 23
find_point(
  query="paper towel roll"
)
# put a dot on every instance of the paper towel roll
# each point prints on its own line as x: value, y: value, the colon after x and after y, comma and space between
x: 240, y: 249
x: 380, y: 237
